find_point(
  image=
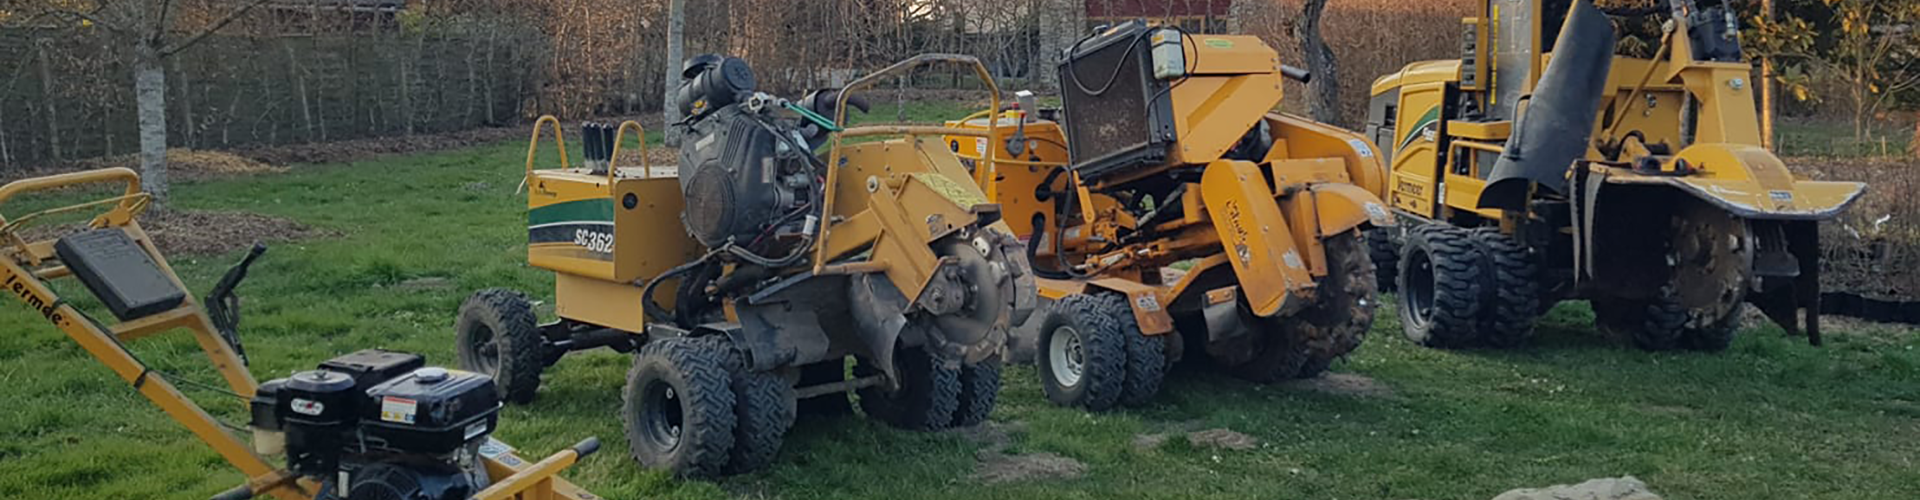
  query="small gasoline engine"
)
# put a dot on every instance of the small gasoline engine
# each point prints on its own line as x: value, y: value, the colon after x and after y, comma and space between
x: 748, y: 172
x: 380, y: 425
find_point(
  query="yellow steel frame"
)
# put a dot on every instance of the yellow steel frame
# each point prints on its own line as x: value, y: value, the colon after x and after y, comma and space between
x: 836, y: 153
x: 25, y: 267
x: 1730, y: 166
x: 1268, y: 226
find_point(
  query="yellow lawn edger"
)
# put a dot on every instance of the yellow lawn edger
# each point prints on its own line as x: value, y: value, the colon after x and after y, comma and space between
x: 368, y: 425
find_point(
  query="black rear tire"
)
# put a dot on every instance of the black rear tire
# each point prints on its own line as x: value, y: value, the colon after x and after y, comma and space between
x: 1440, y: 286
x: 1383, y: 248
x: 1513, y: 303
x: 927, y: 398
x: 1146, y: 364
x: 979, y: 392
x: 1661, y: 324
x: 1082, y: 352
x: 764, y: 411
x: 678, y: 408
x: 496, y: 334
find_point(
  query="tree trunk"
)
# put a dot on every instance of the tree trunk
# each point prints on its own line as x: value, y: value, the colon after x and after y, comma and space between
x: 1323, y: 100
x: 676, y: 47
x: 298, y: 74
x: 1914, y: 146
x: 47, y: 101
x: 493, y: 37
x: 150, y: 95
x: 184, y: 102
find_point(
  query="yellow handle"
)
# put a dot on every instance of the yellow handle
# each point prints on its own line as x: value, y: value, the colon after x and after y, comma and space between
x: 73, y: 179
x: 646, y: 171
x: 533, y: 143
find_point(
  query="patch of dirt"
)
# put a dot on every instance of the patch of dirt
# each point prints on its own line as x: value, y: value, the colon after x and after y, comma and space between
x: 1217, y: 437
x: 206, y: 233
x: 360, y: 149
x: 1145, y: 442
x: 1345, y: 384
x: 996, y: 466
x: 181, y: 164
x: 426, y: 283
x: 192, y: 232
x: 1223, y: 439
x: 1002, y: 468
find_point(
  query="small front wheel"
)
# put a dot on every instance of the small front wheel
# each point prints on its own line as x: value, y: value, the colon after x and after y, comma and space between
x: 1083, y: 351
x: 496, y: 334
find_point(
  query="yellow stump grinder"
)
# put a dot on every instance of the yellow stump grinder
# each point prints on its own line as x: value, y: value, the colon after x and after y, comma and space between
x: 1167, y: 209
x: 1541, y: 166
x: 363, y: 426
x: 748, y: 277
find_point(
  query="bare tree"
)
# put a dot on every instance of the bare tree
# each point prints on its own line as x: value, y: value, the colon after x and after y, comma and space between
x: 152, y: 32
x: 1323, y: 100
x: 676, y: 48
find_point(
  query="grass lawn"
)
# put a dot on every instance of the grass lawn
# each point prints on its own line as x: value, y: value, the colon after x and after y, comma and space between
x: 1770, y: 418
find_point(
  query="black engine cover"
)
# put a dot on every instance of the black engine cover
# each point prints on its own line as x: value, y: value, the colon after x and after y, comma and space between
x: 735, y: 178
x: 409, y: 481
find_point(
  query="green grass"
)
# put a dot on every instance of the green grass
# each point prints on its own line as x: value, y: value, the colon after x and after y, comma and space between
x: 1770, y: 418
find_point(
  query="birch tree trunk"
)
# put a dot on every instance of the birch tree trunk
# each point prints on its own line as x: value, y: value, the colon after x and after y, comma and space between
x: 47, y: 100
x: 676, y: 46
x: 150, y: 97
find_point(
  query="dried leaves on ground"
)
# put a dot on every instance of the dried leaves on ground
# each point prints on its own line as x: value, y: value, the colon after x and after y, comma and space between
x: 192, y: 232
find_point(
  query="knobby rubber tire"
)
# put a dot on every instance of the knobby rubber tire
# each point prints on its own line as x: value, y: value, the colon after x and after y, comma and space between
x: 764, y: 411
x: 520, y: 351
x: 1512, y: 300
x: 1383, y: 248
x: 1452, y: 281
x: 1103, y: 350
x: 927, y: 398
x: 763, y: 407
x: 979, y: 392
x: 1146, y: 357
x: 1662, y: 323
x: 697, y: 372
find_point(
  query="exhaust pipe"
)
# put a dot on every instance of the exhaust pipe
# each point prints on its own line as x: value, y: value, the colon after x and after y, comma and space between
x: 1557, y: 124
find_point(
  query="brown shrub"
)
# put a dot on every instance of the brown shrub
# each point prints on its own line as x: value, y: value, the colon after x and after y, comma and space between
x: 1874, y: 248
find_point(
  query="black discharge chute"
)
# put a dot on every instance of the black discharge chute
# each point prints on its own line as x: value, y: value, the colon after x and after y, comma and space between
x: 1557, y: 124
